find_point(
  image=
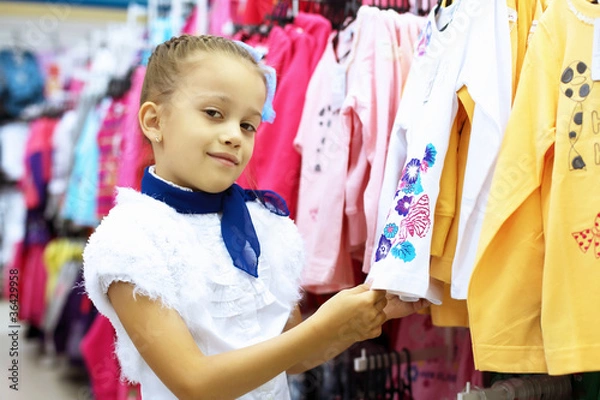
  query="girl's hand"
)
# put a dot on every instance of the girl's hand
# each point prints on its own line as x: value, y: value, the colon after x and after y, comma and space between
x: 352, y: 315
x: 397, y: 308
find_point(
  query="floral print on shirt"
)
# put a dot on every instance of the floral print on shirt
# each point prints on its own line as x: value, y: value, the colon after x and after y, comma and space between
x: 410, y: 216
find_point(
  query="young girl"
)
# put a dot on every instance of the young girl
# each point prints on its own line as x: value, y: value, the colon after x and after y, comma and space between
x: 198, y: 276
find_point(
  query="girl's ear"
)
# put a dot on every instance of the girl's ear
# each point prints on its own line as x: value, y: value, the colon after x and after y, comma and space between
x: 149, y: 118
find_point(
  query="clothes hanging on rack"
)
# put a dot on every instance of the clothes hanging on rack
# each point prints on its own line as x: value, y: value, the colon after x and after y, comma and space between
x: 533, y: 296
x: 379, y: 68
x: 343, y: 137
x: 323, y: 146
x: 21, y: 82
x: 275, y: 164
x: 475, y: 58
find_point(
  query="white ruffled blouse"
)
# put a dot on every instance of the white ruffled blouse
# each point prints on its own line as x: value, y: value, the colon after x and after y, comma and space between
x: 181, y: 260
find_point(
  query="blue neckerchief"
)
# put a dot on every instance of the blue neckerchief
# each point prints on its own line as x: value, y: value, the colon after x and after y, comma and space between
x: 236, y: 224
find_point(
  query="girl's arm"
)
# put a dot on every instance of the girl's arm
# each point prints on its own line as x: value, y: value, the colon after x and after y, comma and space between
x: 395, y: 308
x: 165, y: 343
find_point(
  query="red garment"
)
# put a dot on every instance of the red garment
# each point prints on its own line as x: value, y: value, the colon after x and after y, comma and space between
x: 28, y: 263
x: 12, y: 272
x: 280, y: 50
x: 97, y: 348
x: 190, y: 27
x: 109, y: 145
x: 257, y: 10
x: 136, y: 151
x: 35, y: 275
x: 38, y: 162
x: 275, y: 164
x: 319, y: 28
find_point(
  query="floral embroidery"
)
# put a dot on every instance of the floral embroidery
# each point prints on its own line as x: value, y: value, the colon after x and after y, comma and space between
x: 430, y: 153
x: 383, y: 248
x: 404, y: 251
x: 390, y: 230
x: 411, y: 171
x: 586, y: 237
x: 412, y: 216
x: 403, y: 205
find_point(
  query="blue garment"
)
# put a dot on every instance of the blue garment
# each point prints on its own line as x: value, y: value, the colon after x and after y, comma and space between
x: 21, y: 81
x: 82, y: 191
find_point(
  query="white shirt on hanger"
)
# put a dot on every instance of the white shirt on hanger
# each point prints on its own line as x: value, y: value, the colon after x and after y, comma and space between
x: 468, y: 44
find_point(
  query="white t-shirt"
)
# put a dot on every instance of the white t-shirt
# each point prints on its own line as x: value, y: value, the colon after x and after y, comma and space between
x: 181, y: 260
x: 13, y: 141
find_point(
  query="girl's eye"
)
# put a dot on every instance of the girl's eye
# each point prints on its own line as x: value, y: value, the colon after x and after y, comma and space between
x: 248, y: 127
x: 213, y: 113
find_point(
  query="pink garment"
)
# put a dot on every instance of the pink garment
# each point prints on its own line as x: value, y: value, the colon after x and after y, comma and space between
x: 320, y: 29
x: 220, y: 14
x: 280, y: 50
x: 419, y: 7
x: 38, y: 162
x: 381, y: 64
x: 133, y: 141
x: 275, y: 164
x: 97, y: 349
x: 256, y: 11
x: 191, y: 23
x: 443, y: 377
x: 323, y: 145
x: 12, y: 272
x: 33, y: 274
x: 109, y: 145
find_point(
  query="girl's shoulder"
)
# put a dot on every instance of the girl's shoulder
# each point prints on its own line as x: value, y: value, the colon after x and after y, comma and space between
x: 132, y: 244
x: 137, y: 211
x: 133, y: 204
x: 136, y: 221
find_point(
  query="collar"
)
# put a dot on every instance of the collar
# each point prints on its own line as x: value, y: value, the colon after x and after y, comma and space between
x: 237, y: 229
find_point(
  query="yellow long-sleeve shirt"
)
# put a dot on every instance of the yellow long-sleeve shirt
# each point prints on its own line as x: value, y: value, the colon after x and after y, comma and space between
x: 523, y: 16
x: 533, y: 298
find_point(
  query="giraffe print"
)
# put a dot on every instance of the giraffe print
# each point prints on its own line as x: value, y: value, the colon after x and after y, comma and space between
x: 576, y: 85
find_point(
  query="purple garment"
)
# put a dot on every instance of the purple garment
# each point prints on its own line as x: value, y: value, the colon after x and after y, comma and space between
x: 75, y: 320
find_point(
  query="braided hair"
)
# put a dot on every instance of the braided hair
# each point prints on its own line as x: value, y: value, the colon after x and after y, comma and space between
x: 169, y: 59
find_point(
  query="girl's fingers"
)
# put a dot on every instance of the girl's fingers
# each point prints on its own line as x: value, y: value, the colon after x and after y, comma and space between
x: 381, y: 303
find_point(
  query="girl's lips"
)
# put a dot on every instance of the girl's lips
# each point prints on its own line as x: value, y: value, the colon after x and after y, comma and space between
x: 225, y: 158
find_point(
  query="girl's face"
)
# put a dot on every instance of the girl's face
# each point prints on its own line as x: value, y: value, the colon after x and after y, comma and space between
x: 208, y: 127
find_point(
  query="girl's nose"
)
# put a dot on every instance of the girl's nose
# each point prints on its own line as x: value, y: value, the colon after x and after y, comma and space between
x: 231, y: 135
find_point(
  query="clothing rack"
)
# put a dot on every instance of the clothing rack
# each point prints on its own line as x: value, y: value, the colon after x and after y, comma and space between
x: 535, y: 387
x: 385, y: 360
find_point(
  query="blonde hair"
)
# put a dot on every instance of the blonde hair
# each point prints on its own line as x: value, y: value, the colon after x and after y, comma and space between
x: 168, y: 60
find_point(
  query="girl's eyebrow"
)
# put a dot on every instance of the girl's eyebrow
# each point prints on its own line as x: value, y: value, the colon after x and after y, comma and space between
x: 256, y: 113
x: 224, y: 99
x: 221, y: 97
